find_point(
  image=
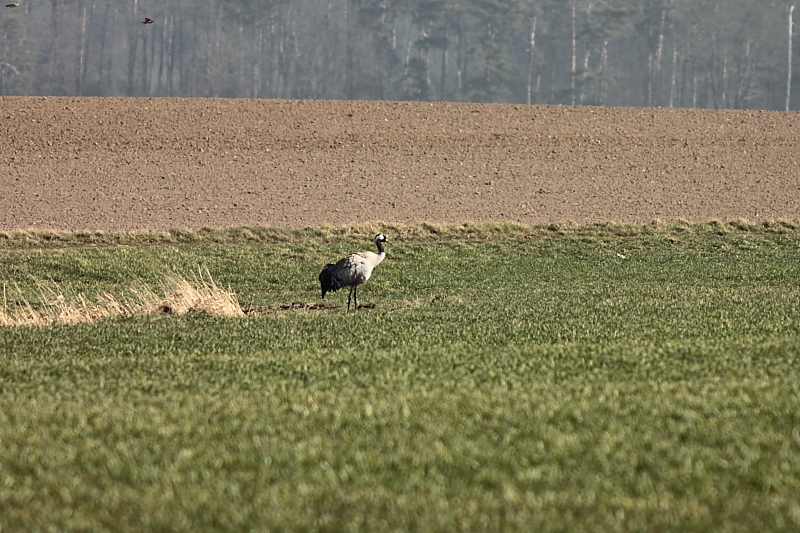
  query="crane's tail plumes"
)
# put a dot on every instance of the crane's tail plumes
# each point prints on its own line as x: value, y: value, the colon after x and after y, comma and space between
x: 326, y: 279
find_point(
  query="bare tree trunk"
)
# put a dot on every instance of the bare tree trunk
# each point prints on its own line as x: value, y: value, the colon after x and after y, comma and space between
x: 242, y: 88
x: 81, y: 51
x: 283, y: 55
x: 655, y: 62
x: 442, y: 94
x: 424, y: 33
x: 531, y: 54
x: 133, y: 41
x: 101, y: 88
x: 270, y: 66
x: 724, y: 96
x: 603, y: 65
x: 146, y: 38
x: 292, y: 77
x: 409, y: 40
x: 789, y: 69
x: 660, y: 47
x: 88, y: 45
x: 673, y: 81
x: 258, y: 34
x: 649, y: 95
x: 27, y: 19
x: 112, y: 85
x: 152, y: 71
x: 213, y: 59
x: 180, y: 44
x: 461, y: 67
x: 394, y: 32
x: 217, y: 54
x: 171, y: 49
x: 586, y: 56
x: 189, y: 71
x: 163, y: 50
x: 574, y: 57
x: 54, y: 65
x: 743, y: 78
x: 713, y: 77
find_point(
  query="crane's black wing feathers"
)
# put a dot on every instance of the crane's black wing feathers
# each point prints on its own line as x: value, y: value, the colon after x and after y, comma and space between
x: 326, y: 279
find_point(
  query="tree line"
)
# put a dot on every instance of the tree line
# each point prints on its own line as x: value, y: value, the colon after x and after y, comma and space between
x: 668, y: 53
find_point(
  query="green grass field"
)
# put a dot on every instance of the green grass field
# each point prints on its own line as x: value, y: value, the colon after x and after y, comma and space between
x: 502, y: 378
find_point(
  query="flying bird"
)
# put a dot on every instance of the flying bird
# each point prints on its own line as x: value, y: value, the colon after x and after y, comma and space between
x: 15, y: 4
x: 352, y: 271
x: 147, y: 21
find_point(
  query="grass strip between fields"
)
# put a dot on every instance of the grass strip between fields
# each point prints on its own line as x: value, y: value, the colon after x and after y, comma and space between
x: 428, y: 231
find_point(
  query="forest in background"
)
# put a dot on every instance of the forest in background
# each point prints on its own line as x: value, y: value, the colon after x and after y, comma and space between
x: 669, y: 53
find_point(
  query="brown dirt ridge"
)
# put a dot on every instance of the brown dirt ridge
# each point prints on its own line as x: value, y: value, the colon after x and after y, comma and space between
x: 122, y: 164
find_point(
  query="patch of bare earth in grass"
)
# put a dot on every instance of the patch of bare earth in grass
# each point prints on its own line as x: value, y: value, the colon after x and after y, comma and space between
x: 255, y: 310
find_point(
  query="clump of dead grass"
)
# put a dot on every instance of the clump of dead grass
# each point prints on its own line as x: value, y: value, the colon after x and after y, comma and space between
x: 176, y: 295
x: 56, y: 307
x: 200, y: 293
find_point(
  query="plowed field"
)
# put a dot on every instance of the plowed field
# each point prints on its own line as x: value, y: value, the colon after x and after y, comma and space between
x: 134, y: 164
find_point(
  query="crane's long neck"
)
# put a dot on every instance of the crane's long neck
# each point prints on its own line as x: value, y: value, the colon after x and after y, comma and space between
x: 381, y: 251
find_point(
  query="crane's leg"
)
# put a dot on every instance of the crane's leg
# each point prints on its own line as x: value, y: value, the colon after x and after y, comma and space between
x: 355, y: 296
x: 349, y: 295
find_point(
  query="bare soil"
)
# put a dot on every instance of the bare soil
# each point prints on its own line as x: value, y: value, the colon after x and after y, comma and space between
x: 120, y: 164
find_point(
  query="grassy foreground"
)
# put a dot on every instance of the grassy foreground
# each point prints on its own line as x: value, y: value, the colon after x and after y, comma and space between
x: 504, y: 378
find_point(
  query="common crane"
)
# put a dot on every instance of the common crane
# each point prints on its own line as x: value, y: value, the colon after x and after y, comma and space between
x: 352, y: 271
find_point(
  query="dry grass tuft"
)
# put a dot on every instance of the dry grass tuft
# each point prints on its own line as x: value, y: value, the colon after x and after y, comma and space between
x: 199, y: 294
x: 177, y: 296
x: 56, y: 307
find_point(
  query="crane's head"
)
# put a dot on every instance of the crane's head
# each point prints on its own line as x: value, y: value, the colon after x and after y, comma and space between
x: 380, y: 237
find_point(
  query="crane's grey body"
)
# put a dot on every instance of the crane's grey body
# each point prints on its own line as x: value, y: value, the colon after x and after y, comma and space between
x: 352, y: 271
